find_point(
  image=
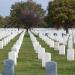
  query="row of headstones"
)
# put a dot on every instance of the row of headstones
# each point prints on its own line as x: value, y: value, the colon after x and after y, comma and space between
x: 7, y: 31
x: 13, y: 55
x: 50, y: 66
x: 59, y: 45
x: 52, y: 43
x: 7, y: 37
x: 59, y: 34
x: 55, y: 34
x: 6, y: 40
x: 4, y: 33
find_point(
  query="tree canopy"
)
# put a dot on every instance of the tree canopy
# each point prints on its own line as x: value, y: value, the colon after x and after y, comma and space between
x: 61, y: 13
x: 26, y: 14
x: 2, y: 21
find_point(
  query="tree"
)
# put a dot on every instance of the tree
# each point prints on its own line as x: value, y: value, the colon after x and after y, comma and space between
x: 26, y: 14
x: 2, y: 21
x: 61, y: 13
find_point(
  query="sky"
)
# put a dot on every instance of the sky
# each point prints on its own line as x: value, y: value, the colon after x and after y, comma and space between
x: 5, y: 5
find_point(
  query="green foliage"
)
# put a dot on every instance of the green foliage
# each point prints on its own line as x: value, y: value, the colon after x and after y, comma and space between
x: 22, y: 14
x: 2, y: 21
x: 61, y: 11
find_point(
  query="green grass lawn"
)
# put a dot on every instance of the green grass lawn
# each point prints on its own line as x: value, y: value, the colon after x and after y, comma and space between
x: 28, y: 63
x: 4, y: 52
x: 64, y: 67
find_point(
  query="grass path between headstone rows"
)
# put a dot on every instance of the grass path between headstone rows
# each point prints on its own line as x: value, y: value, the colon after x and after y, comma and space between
x: 28, y: 63
x: 4, y: 52
x: 64, y: 67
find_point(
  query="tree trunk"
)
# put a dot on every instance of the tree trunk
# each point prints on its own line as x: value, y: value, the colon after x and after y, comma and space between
x: 27, y: 29
x: 66, y: 30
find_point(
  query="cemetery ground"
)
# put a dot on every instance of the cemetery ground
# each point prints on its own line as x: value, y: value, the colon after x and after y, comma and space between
x: 64, y: 67
x: 4, y: 52
x: 28, y: 63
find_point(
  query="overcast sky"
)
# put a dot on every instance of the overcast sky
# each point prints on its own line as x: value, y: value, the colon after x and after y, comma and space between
x: 6, y: 4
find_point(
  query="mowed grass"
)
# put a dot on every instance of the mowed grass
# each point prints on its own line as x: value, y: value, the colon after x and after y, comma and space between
x: 4, y: 52
x: 28, y: 63
x: 64, y: 67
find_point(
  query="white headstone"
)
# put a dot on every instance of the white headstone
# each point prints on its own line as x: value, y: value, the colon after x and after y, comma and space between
x: 62, y: 49
x: 41, y: 53
x: 56, y: 45
x: 4, y: 42
x: 46, y: 58
x: 1, y: 44
x: 70, y: 54
x: 52, y: 44
x: 70, y: 44
x: 13, y: 56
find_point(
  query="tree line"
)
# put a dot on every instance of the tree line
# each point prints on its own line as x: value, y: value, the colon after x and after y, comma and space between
x: 61, y: 14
